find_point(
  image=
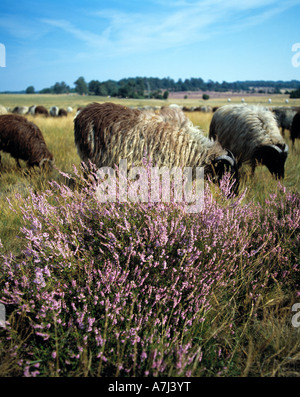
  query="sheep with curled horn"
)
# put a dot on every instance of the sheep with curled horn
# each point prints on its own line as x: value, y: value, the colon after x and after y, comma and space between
x: 253, y: 136
x: 106, y: 133
x: 23, y: 140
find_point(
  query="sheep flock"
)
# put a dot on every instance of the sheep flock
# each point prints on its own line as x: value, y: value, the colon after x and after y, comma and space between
x: 105, y: 133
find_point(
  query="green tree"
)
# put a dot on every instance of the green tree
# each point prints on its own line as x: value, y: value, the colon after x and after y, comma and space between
x: 205, y: 97
x: 295, y: 94
x: 30, y: 90
x: 60, y: 88
x: 81, y: 86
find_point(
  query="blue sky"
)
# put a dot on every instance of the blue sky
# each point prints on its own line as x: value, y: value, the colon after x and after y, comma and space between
x: 54, y: 41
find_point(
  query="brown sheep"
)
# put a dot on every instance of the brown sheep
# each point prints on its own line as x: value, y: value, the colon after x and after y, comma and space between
x: 23, y: 140
x: 62, y: 113
x: 41, y: 110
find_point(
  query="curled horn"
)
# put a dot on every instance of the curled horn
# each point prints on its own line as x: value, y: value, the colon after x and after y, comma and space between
x: 280, y: 150
x: 229, y: 157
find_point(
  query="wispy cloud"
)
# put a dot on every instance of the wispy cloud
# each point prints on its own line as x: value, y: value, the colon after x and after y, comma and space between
x: 174, y: 25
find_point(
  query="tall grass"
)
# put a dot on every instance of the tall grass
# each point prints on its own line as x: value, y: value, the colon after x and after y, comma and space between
x: 146, y: 289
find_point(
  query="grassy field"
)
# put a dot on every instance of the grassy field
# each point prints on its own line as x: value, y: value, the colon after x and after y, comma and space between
x: 137, y: 290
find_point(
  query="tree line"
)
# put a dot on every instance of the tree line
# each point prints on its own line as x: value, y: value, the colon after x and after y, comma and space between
x: 159, y: 88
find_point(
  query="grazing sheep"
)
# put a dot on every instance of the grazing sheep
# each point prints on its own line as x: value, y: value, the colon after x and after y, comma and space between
x: 54, y: 111
x: 295, y: 128
x: 3, y: 110
x: 41, y: 110
x: 62, y: 113
x: 252, y: 134
x: 31, y: 110
x: 20, y: 109
x: 106, y: 133
x: 284, y: 116
x: 69, y: 109
x: 23, y: 140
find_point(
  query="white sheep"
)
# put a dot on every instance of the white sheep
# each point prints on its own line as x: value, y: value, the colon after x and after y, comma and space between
x: 253, y: 136
x: 54, y: 111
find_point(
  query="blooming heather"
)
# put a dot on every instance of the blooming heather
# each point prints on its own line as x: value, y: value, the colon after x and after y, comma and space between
x: 129, y: 289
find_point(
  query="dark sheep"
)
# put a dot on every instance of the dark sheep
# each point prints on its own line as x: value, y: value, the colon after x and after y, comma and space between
x: 23, y: 140
x: 295, y: 129
x: 62, y: 113
x: 41, y: 110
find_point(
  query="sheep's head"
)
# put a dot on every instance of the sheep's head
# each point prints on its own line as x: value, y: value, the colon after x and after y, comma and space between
x: 226, y: 163
x: 273, y: 157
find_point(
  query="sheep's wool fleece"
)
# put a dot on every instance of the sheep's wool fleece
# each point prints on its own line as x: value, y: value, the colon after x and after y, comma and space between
x: 242, y: 129
x: 108, y: 132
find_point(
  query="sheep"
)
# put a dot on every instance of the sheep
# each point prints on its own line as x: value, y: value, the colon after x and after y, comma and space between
x: 20, y: 109
x: 284, y: 116
x: 252, y: 134
x: 54, y: 111
x: 106, y: 133
x: 295, y: 128
x: 3, y: 110
x: 41, y: 110
x: 23, y: 140
x: 31, y: 110
x: 62, y: 113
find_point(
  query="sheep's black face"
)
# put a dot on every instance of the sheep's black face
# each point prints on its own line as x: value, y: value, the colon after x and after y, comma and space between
x: 274, y: 158
x: 226, y: 163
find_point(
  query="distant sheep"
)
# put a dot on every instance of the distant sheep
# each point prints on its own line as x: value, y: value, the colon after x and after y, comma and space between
x: 23, y: 140
x: 41, y: 110
x: 31, y: 110
x: 106, y: 133
x: 284, y: 116
x: 62, y: 113
x: 3, y: 110
x: 252, y: 134
x: 295, y: 128
x: 20, y: 110
x: 54, y: 111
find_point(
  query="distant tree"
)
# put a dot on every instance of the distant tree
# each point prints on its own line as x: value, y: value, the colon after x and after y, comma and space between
x: 205, y: 97
x: 295, y: 94
x: 60, y: 88
x: 81, y: 86
x: 46, y: 91
x: 30, y: 90
x: 166, y: 95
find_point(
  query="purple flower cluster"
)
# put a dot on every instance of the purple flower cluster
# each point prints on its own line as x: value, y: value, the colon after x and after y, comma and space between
x: 129, y: 289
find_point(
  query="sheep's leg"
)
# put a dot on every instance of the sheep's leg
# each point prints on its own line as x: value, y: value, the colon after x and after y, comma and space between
x: 18, y: 163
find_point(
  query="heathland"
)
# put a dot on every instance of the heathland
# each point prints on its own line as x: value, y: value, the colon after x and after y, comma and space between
x: 143, y: 289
